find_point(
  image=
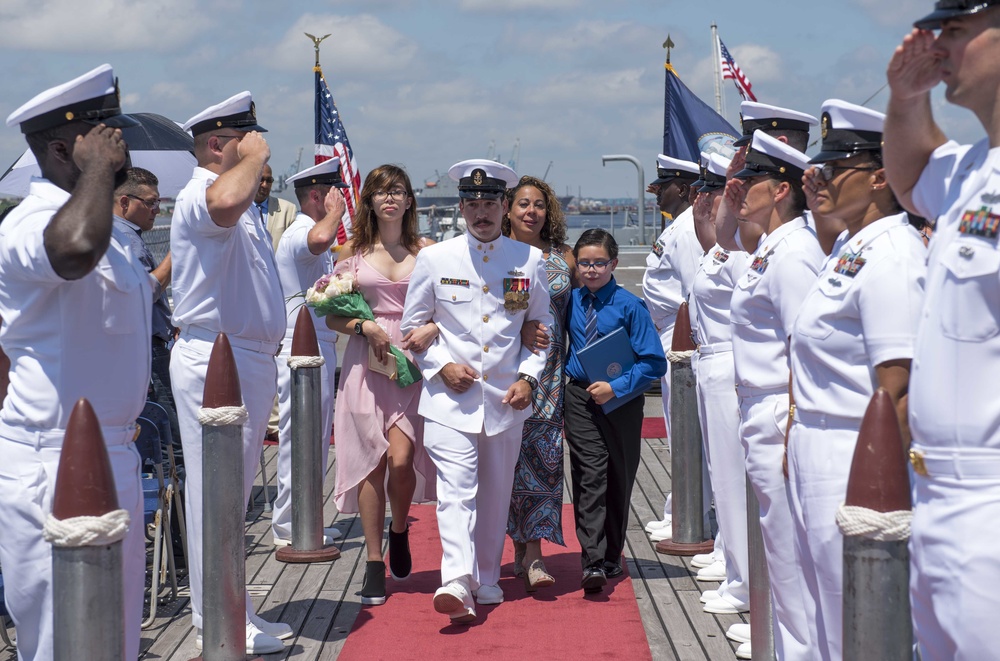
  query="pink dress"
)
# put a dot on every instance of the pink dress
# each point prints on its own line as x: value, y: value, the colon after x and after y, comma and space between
x: 369, y: 404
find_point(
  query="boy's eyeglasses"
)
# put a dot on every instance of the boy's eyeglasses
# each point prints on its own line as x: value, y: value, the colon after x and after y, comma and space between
x: 596, y: 266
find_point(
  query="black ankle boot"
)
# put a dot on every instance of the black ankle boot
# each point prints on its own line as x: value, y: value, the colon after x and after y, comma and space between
x: 400, y: 562
x: 373, y: 585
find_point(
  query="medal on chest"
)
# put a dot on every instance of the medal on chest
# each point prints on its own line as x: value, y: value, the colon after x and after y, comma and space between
x: 516, y: 292
x: 721, y: 256
x: 980, y: 223
x: 658, y: 248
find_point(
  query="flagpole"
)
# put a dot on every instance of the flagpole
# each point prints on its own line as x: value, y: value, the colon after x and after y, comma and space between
x: 717, y: 57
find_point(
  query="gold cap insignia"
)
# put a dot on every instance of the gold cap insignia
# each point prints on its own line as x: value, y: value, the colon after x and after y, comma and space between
x: 477, y: 177
x: 826, y: 124
x: 69, y: 115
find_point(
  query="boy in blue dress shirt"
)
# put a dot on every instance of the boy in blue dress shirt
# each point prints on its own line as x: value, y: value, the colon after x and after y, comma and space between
x: 604, y: 447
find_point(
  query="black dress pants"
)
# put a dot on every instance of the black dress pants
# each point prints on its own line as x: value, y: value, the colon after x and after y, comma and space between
x: 604, y: 458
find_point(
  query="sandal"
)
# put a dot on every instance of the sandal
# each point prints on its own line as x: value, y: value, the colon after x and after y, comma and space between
x: 536, y: 576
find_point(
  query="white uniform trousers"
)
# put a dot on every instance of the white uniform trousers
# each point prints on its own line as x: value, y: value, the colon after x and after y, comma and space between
x: 954, y: 567
x: 762, y: 431
x: 719, y: 413
x: 281, y: 515
x: 819, y: 462
x: 27, y: 484
x: 258, y: 377
x: 666, y: 341
x: 475, y: 476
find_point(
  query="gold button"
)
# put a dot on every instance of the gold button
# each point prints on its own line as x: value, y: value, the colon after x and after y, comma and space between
x: 486, y: 290
x: 486, y: 377
x: 486, y: 349
x: 491, y: 246
x: 486, y: 258
x: 479, y: 247
x: 486, y: 318
x: 453, y: 297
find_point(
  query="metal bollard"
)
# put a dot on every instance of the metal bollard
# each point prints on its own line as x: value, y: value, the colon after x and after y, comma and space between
x: 877, y: 622
x: 223, y: 512
x: 88, y: 594
x: 685, y: 451
x: 762, y: 622
x: 307, y: 452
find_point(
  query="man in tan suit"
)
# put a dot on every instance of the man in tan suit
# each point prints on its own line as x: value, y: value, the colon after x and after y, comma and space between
x: 277, y: 214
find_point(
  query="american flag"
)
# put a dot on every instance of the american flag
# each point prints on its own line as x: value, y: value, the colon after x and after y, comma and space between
x: 731, y: 71
x: 331, y: 140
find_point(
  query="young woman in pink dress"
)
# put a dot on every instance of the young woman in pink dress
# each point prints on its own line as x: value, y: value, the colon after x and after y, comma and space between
x: 376, y: 425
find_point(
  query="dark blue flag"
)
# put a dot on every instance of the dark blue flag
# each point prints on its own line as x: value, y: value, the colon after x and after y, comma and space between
x: 690, y: 126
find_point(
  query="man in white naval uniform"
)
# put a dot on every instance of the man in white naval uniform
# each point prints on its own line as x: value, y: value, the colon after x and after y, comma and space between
x: 478, y: 379
x: 666, y: 283
x: 302, y: 258
x: 954, y: 412
x: 76, y: 306
x: 225, y: 281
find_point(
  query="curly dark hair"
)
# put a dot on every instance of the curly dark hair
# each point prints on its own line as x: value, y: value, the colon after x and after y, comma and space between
x: 365, y: 228
x: 554, y: 230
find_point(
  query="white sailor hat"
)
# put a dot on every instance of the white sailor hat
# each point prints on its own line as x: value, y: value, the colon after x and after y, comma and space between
x: 756, y: 116
x: 237, y: 112
x: 715, y: 173
x: 92, y: 98
x: 945, y: 9
x: 669, y: 168
x: 702, y: 165
x: 326, y: 173
x: 848, y: 129
x: 482, y: 179
x: 770, y: 156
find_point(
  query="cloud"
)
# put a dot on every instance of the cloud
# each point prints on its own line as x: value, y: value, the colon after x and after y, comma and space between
x: 594, y: 36
x: 100, y: 25
x: 899, y: 14
x: 760, y: 63
x: 357, y: 45
x: 494, y: 7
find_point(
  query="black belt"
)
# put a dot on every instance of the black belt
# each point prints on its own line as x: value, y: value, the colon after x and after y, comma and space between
x: 160, y: 342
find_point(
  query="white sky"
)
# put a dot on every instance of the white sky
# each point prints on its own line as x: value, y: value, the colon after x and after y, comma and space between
x: 425, y: 84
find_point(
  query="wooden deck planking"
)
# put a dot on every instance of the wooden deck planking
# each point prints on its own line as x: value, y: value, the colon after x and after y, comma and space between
x: 321, y: 601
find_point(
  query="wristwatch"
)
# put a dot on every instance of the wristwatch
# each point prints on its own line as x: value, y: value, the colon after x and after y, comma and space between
x: 532, y: 381
x: 358, y: 328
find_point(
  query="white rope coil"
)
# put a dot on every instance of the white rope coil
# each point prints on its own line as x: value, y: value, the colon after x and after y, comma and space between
x: 87, y: 530
x: 295, y: 362
x: 679, y: 356
x: 222, y: 416
x: 857, y: 521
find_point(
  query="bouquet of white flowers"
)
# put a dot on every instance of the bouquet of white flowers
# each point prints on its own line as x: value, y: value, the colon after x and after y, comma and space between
x: 336, y: 294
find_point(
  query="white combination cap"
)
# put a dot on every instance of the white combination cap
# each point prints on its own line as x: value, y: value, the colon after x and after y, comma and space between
x: 237, y: 112
x: 757, y: 116
x: 770, y: 156
x: 848, y: 129
x: 481, y: 178
x: 326, y: 173
x: 669, y: 168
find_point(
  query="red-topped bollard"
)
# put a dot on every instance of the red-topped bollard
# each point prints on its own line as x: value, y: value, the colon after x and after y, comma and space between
x: 86, y: 529
x: 686, y: 449
x: 875, y: 521
x: 307, y: 440
x: 223, y: 508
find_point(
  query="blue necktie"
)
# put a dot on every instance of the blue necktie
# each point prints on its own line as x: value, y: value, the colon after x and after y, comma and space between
x: 590, y: 330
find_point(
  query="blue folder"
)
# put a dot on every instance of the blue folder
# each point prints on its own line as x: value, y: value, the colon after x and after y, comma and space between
x: 608, y: 358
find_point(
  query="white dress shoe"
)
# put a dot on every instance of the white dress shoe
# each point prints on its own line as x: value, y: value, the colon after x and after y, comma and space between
x: 258, y: 642
x: 329, y: 534
x: 709, y: 595
x: 714, y: 572
x: 739, y: 633
x: 726, y: 606
x: 489, y: 594
x: 663, y: 534
x: 279, y: 630
x: 743, y: 651
x: 455, y: 601
x: 702, y: 560
x: 653, y: 526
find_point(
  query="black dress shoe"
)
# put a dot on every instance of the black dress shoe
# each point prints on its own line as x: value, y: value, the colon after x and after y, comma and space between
x: 593, y: 580
x: 400, y: 563
x: 613, y: 569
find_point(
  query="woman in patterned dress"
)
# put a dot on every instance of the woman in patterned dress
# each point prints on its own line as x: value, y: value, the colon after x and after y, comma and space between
x: 536, y: 218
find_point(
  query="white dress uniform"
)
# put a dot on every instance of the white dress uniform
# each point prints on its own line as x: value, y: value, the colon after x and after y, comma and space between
x: 718, y: 410
x: 954, y: 411
x: 861, y: 311
x: 224, y: 280
x: 299, y: 269
x: 764, y: 306
x: 60, y: 335
x: 473, y: 438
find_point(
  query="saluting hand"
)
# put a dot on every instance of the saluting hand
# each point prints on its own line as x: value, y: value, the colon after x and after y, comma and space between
x: 253, y: 144
x: 458, y: 377
x: 334, y: 202
x: 812, y: 180
x: 518, y: 395
x: 734, y: 194
x: 102, y: 146
x: 915, y: 67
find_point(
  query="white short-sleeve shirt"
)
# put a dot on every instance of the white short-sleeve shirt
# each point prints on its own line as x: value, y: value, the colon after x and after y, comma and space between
x: 68, y: 339
x: 712, y: 293
x: 767, y: 299
x: 953, y: 396
x: 670, y: 269
x: 224, y: 278
x: 299, y: 269
x: 861, y: 312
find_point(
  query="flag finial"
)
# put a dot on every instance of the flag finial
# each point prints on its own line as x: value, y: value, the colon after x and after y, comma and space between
x: 668, y: 44
x: 316, y: 41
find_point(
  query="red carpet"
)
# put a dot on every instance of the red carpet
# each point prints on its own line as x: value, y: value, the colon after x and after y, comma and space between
x: 553, y: 624
x: 653, y: 428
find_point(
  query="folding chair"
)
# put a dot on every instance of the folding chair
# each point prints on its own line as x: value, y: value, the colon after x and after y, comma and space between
x: 3, y: 619
x: 155, y: 412
x: 156, y: 509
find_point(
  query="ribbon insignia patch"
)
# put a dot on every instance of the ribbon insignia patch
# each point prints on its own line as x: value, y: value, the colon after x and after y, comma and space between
x: 849, y: 264
x: 455, y: 281
x: 980, y: 223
